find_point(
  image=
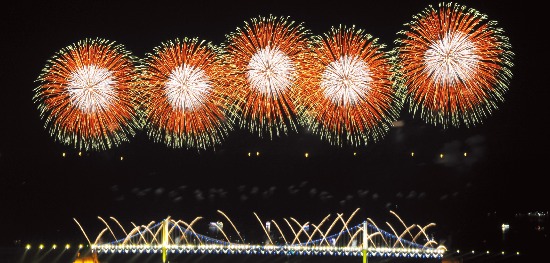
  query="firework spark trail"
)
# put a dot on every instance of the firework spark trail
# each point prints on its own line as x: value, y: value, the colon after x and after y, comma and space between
x: 454, y: 64
x: 265, y: 61
x: 88, y: 95
x: 184, y: 90
x: 350, y: 97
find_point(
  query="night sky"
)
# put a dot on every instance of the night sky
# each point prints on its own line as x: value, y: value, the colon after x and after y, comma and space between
x: 467, y: 197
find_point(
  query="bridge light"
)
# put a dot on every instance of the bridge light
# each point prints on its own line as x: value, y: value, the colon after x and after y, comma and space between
x: 306, y: 155
x: 487, y: 251
x: 517, y: 253
x: 465, y: 154
x: 412, y: 154
x: 80, y: 246
x: 248, y: 154
x: 54, y: 246
x: 502, y: 253
x: 67, y: 246
x: 441, y: 156
x: 63, y: 154
x: 28, y: 246
x: 79, y: 153
x: 41, y: 246
x: 257, y: 153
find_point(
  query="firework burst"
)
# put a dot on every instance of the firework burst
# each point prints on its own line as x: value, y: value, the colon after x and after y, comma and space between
x: 87, y: 95
x: 350, y: 97
x: 265, y: 60
x: 184, y: 92
x: 455, y: 65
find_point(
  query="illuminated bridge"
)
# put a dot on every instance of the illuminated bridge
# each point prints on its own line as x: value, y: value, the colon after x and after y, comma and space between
x: 328, y: 238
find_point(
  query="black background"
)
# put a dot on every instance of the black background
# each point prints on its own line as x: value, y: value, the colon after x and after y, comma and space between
x: 468, y: 198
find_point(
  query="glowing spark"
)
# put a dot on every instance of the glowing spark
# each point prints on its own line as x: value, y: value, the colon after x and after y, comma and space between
x: 454, y: 64
x: 91, y: 88
x: 350, y: 97
x: 88, y: 95
x: 451, y: 59
x: 184, y: 95
x: 187, y: 87
x: 346, y: 80
x: 265, y: 61
x: 270, y: 72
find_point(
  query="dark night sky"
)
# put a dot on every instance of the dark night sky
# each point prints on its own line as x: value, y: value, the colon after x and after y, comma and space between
x: 41, y: 192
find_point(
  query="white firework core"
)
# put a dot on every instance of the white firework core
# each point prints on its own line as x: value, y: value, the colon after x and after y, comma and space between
x: 91, y: 88
x: 270, y: 71
x: 451, y: 59
x: 187, y: 87
x: 346, y: 80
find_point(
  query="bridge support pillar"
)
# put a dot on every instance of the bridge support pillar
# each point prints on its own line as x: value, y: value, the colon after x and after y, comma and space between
x: 365, y: 242
x: 164, y: 230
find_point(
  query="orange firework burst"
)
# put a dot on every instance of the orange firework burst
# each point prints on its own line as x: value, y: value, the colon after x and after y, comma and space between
x: 455, y: 65
x: 184, y: 94
x: 265, y: 60
x: 350, y: 98
x: 87, y: 95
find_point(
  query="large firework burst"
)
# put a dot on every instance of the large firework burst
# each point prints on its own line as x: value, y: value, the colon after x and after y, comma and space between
x: 350, y: 97
x: 184, y: 93
x: 455, y: 65
x: 87, y: 94
x: 265, y: 60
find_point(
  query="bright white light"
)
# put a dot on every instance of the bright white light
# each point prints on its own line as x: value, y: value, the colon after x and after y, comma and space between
x: 270, y: 72
x: 187, y: 87
x: 346, y: 80
x: 91, y: 88
x: 451, y: 59
x: 505, y: 227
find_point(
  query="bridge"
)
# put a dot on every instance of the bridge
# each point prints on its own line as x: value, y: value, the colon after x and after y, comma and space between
x: 327, y: 238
